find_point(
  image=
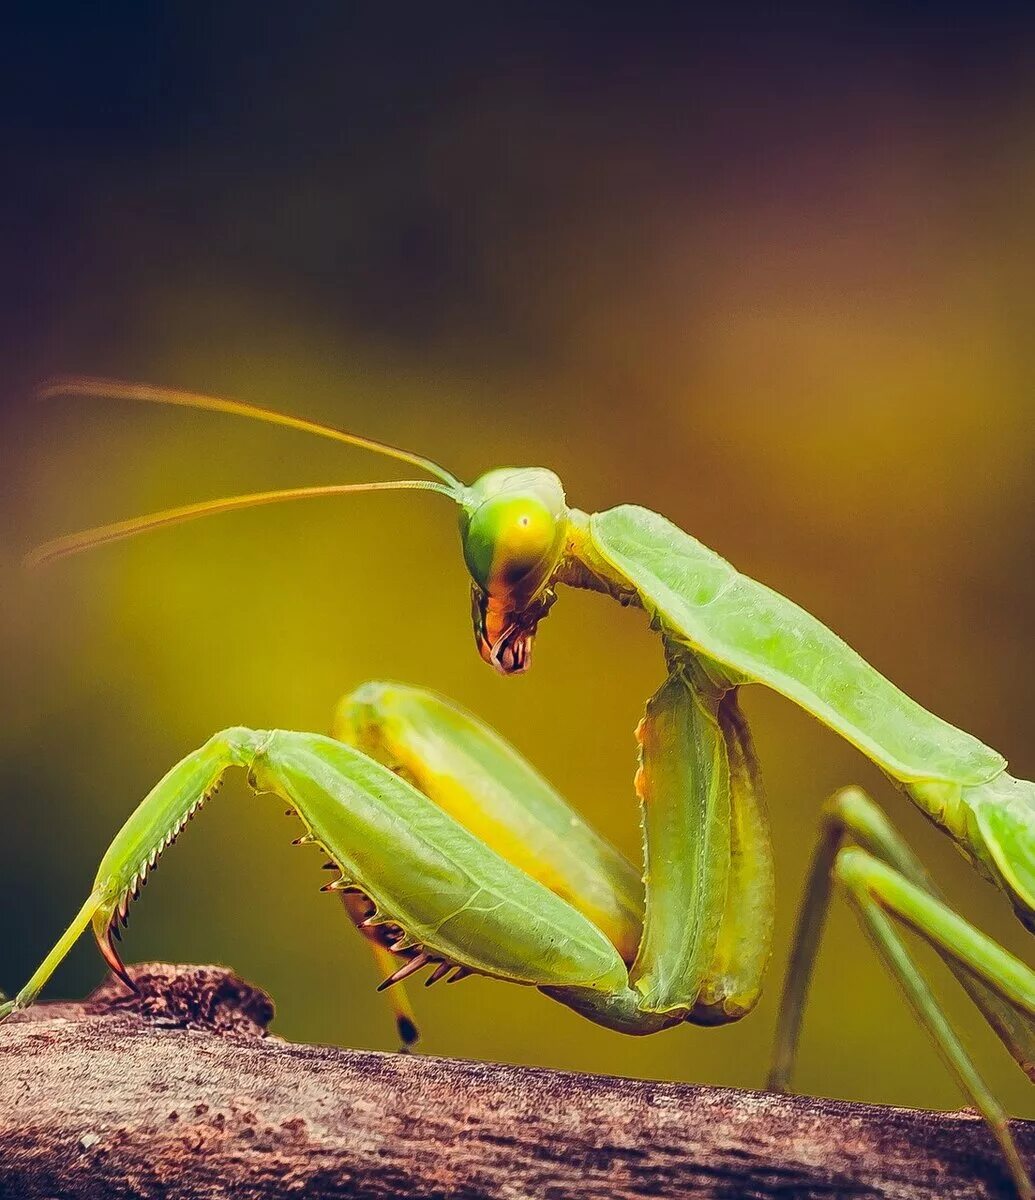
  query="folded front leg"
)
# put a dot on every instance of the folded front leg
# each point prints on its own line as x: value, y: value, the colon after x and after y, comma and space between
x: 447, y: 897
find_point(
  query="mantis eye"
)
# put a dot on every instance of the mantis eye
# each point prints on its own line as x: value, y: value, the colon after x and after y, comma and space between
x: 524, y: 540
x: 513, y: 522
x: 511, y: 545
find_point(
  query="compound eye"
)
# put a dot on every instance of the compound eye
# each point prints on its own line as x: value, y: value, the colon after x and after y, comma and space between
x: 511, y: 543
x: 524, y: 539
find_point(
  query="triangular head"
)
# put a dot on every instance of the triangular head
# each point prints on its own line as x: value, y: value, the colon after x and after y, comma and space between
x: 514, y: 529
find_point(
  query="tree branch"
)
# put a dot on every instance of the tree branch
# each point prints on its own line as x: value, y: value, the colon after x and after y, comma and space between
x: 178, y: 1092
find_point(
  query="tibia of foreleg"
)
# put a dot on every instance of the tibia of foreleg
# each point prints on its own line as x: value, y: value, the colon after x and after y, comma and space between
x: 154, y: 825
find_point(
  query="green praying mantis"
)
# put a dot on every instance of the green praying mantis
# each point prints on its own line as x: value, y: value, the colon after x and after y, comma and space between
x: 453, y: 853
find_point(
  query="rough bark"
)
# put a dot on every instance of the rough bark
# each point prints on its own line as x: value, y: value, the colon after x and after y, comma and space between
x: 178, y: 1092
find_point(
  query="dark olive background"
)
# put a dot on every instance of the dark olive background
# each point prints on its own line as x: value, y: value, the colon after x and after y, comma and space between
x: 772, y: 281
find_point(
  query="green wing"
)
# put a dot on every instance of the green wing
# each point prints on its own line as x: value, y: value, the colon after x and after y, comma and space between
x: 756, y: 635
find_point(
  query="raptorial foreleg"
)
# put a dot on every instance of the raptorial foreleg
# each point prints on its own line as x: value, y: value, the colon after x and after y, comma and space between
x: 452, y: 899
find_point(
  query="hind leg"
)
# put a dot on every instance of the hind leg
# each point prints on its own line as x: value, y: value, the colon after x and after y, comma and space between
x: 887, y: 887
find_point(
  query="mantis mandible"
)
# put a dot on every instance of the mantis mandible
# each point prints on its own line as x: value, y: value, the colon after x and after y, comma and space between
x: 453, y: 853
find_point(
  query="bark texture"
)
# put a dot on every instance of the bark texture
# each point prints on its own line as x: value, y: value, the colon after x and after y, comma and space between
x: 179, y: 1092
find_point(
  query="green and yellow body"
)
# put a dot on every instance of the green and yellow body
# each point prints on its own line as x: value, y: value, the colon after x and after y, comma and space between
x: 453, y: 853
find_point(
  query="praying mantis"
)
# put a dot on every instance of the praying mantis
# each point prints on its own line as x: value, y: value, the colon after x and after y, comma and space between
x: 452, y: 852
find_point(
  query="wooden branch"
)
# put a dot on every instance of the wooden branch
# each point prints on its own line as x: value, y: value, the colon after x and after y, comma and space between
x: 178, y: 1092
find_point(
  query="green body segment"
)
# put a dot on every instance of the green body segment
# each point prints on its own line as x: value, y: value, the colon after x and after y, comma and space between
x: 709, y: 865
x: 756, y: 635
x: 745, y: 942
x: 740, y: 631
x: 428, y: 874
x: 683, y: 785
x: 999, y: 822
x: 470, y: 772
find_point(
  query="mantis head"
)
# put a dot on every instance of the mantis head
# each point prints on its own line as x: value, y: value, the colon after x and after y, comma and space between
x: 513, y: 524
x: 513, y: 521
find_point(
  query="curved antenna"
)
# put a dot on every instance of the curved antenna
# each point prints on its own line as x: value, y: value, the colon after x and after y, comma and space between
x: 115, y: 389
x: 73, y: 543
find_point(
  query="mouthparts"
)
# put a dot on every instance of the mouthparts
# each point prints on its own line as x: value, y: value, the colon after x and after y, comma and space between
x: 511, y: 653
x: 504, y: 635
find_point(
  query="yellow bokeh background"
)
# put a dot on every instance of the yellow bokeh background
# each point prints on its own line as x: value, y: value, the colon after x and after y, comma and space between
x: 796, y: 321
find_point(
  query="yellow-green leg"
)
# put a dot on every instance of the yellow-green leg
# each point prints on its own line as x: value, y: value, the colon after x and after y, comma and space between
x: 50, y: 964
x: 885, y: 884
x: 472, y: 909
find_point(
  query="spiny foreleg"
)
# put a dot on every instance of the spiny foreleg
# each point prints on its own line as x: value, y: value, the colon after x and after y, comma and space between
x: 135, y: 851
x: 451, y: 898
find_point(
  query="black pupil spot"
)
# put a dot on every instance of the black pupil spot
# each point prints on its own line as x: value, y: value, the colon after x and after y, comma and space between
x: 523, y: 521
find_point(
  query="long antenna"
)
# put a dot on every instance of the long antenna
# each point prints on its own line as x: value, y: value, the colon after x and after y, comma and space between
x: 73, y: 543
x: 114, y: 389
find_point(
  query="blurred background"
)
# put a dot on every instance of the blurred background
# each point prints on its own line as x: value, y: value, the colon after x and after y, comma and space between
x: 774, y: 282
